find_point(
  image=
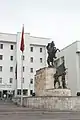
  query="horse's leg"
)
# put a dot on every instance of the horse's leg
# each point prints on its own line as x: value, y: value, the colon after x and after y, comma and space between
x: 48, y: 61
x: 59, y: 83
x: 54, y: 83
x: 64, y: 84
x: 55, y: 54
x: 52, y: 62
x: 63, y: 81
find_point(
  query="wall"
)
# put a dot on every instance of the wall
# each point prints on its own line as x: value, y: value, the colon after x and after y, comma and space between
x: 7, y: 37
x: 6, y: 63
x: 78, y: 65
x: 51, y: 103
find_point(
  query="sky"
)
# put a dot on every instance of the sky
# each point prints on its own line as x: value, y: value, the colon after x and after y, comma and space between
x: 55, y: 19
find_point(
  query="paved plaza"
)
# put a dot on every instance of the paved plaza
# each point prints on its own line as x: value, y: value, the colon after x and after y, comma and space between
x: 9, y: 111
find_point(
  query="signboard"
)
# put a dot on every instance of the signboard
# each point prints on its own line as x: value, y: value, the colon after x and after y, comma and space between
x: 5, y: 86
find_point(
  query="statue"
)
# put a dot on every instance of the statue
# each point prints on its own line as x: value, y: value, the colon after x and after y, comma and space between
x: 51, y: 53
x: 63, y: 80
x: 56, y: 79
x: 60, y: 72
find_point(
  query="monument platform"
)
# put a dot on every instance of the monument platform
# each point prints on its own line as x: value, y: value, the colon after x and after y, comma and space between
x: 57, y: 92
x: 44, y: 80
x: 44, y: 83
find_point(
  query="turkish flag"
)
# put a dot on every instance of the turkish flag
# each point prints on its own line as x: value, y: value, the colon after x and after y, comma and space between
x: 22, y: 40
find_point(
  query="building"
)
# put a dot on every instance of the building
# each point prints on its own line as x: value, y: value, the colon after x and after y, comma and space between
x: 34, y: 57
x: 71, y: 55
x: 7, y: 62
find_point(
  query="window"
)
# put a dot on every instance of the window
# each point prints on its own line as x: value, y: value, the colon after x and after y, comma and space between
x: 31, y: 81
x: 19, y: 92
x: 0, y: 68
x: 31, y: 49
x: 1, y: 57
x: 11, y: 80
x: 23, y: 68
x: 11, y: 58
x: 31, y: 92
x: 40, y: 60
x: 31, y: 59
x: 11, y: 47
x: 0, y: 80
x: 11, y: 69
x: 25, y: 92
x: 40, y: 49
x: 23, y: 57
x: 1, y: 46
x: 31, y: 70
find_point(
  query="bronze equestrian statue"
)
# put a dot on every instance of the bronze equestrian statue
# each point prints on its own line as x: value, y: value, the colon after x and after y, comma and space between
x: 51, y: 49
x: 60, y: 70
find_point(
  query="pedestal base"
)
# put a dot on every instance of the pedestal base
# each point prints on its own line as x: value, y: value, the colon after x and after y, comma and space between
x: 57, y: 92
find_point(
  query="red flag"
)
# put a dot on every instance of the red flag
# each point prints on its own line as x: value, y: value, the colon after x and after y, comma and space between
x: 22, y: 40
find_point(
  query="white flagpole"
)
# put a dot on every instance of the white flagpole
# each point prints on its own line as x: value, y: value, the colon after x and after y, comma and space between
x: 22, y: 49
x: 16, y: 88
x: 16, y: 81
x: 22, y: 79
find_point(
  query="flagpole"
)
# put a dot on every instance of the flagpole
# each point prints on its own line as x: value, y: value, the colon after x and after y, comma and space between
x: 15, y: 87
x: 22, y: 49
x: 16, y: 80
x: 22, y: 79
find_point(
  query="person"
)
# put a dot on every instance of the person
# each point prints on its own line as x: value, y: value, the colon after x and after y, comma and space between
x: 63, y: 80
x: 4, y: 97
x: 56, y: 79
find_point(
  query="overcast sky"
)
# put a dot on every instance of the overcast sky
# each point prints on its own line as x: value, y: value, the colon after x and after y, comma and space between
x: 56, y: 19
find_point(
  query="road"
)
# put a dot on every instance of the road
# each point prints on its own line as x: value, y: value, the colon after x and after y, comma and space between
x: 9, y: 111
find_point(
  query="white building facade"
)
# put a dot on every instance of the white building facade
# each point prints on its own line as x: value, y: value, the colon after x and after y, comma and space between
x: 71, y: 55
x: 34, y: 57
x: 7, y: 62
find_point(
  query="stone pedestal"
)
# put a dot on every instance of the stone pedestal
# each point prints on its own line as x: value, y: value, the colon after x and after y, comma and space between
x: 57, y: 92
x: 44, y: 84
x: 44, y: 80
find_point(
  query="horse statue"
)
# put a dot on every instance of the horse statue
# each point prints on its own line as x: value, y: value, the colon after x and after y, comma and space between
x: 51, y: 53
